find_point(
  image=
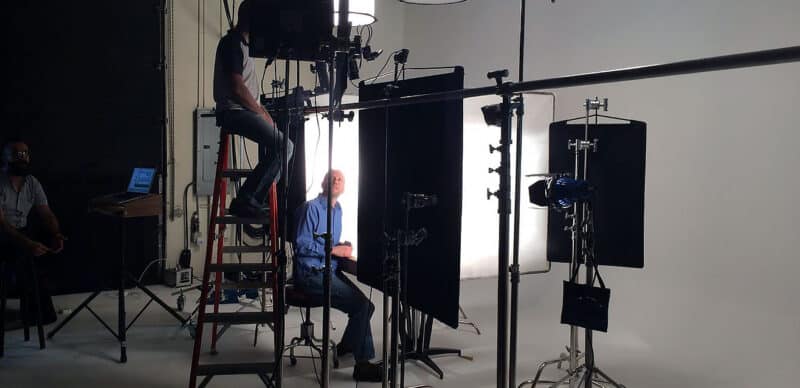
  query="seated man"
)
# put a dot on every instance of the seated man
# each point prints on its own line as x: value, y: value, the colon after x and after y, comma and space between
x: 309, y: 259
x: 20, y: 193
x: 236, y: 93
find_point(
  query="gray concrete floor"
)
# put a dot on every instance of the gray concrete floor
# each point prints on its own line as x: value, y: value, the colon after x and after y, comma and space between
x: 84, y: 354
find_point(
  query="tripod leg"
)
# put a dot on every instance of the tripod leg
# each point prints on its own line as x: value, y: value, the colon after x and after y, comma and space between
x: 569, y: 376
x: 123, y: 354
x: 427, y: 361
x: 73, y: 314
x: 158, y: 300
x: 608, y: 379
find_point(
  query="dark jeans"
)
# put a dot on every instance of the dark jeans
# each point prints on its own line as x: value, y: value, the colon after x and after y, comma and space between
x: 345, y: 297
x: 270, y: 142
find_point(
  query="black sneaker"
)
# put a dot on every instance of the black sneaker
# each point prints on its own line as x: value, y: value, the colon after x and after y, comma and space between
x: 244, y: 209
x: 367, y: 372
x: 252, y: 231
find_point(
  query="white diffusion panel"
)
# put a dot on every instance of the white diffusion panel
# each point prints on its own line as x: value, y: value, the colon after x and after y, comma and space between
x: 345, y: 158
x: 479, y: 228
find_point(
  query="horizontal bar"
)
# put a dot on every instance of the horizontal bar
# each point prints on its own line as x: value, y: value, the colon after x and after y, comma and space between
x: 725, y: 62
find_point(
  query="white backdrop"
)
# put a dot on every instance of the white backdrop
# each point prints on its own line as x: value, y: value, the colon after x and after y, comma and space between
x: 479, y: 228
x: 479, y: 221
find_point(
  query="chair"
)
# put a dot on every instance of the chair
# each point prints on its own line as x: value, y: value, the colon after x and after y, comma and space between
x: 26, y: 272
x: 297, y: 298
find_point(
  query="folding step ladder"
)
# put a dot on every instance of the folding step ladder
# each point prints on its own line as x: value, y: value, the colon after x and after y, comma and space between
x: 269, y: 371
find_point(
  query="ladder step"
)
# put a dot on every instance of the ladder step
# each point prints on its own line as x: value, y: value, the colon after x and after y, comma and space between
x: 235, y: 369
x: 245, y: 249
x: 246, y: 284
x: 234, y: 220
x: 240, y: 267
x: 240, y: 318
x: 235, y: 173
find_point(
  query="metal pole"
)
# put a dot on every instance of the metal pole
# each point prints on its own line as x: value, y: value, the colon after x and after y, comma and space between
x: 588, y: 348
x: 404, y: 288
x: 576, y: 224
x: 326, y: 277
x: 512, y: 350
x: 725, y: 62
x: 504, y: 209
x: 342, y: 34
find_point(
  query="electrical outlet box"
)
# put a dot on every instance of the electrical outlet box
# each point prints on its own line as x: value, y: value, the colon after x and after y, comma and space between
x: 175, y: 277
x: 206, y: 146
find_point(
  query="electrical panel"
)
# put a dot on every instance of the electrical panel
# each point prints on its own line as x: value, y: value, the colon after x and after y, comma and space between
x: 206, y: 145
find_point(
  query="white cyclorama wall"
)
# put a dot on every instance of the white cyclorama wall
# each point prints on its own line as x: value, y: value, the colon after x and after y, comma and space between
x: 720, y: 231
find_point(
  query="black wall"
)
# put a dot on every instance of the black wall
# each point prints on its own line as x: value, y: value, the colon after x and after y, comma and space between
x: 84, y: 87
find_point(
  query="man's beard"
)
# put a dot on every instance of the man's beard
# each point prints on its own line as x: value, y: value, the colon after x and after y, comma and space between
x: 19, y: 169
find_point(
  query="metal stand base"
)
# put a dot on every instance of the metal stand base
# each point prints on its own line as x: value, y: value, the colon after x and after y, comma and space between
x: 425, y: 358
x: 464, y: 320
x: 121, y: 333
x: 576, y: 378
x: 308, y: 339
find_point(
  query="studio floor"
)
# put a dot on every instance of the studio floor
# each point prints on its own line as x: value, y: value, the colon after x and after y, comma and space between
x: 84, y: 354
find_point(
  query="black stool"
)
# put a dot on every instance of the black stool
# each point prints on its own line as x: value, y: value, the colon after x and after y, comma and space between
x: 26, y: 273
x: 297, y: 298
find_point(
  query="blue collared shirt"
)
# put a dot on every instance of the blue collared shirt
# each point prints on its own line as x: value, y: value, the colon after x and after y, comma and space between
x: 309, y: 251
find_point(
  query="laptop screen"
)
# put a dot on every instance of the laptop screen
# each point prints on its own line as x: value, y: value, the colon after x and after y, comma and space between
x: 141, y: 180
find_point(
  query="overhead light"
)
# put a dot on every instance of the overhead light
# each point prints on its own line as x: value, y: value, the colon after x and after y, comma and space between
x: 432, y: 2
x: 362, y: 12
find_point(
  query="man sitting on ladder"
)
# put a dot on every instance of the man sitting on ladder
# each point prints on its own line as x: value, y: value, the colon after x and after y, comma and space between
x: 236, y: 92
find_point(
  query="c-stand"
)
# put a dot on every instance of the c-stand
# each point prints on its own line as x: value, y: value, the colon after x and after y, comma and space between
x: 581, y: 235
x: 395, y: 281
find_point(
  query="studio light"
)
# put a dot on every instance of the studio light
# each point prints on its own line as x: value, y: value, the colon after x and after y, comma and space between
x: 492, y: 115
x: 362, y: 12
x: 432, y: 2
x: 560, y: 192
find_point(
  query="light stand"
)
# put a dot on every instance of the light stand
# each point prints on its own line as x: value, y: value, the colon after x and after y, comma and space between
x: 391, y: 269
x: 503, y: 195
x: 579, y: 231
x: 338, y: 76
x: 394, y: 283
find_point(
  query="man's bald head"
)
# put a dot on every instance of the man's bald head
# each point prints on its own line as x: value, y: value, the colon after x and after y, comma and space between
x: 337, y: 185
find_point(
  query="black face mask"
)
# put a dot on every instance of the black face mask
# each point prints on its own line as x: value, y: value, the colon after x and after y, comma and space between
x: 19, y: 168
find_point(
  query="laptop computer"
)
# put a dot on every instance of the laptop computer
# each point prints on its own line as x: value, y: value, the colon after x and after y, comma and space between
x: 139, y: 186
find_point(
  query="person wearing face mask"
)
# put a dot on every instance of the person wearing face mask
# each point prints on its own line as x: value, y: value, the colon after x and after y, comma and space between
x: 20, y: 194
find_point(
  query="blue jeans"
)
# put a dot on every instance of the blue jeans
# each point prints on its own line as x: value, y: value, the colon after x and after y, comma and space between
x: 269, y: 139
x: 345, y: 297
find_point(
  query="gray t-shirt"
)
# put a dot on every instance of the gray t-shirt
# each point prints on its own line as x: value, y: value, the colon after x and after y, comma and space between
x: 233, y: 56
x: 17, y: 205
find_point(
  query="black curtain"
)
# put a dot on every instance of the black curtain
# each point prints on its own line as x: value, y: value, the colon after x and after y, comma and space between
x: 85, y: 89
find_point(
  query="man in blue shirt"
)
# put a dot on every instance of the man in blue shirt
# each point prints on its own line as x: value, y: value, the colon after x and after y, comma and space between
x: 309, y: 260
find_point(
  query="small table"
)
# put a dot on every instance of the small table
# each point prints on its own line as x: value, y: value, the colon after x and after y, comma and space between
x: 145, y: 206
